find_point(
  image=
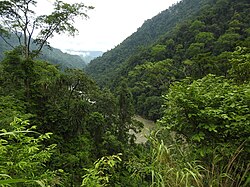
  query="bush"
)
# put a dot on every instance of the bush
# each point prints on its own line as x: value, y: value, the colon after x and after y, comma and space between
x: 209, y: 112
x: 23, y: 158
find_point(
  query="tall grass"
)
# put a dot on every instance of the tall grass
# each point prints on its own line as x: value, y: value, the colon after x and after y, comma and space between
x: 228, y: 172
x: 173, y: 164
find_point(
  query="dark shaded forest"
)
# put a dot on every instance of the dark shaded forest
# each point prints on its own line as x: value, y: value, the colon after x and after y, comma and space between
x: 187, y: 69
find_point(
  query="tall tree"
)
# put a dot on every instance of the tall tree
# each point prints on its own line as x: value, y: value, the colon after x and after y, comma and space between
x: 18, y: 17
x: 126, y: 111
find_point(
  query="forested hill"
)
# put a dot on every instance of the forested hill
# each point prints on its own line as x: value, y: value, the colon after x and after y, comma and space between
x: 188, y: 68
x: 53, y: 55
x: 199, y: 44
x: 103, y: 68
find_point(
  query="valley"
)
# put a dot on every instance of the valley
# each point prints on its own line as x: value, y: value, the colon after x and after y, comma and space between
x: 72, y: 118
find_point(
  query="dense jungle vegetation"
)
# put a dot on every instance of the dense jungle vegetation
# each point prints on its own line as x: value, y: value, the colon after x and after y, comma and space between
x: 188, y: 69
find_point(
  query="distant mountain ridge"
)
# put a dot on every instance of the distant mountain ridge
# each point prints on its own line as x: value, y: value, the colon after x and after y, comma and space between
x: 87, y: 56
x: 53, y: 55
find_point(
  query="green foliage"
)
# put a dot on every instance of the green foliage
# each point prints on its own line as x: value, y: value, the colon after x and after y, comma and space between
x: 15, y: 181
x: 194, y: 46
x: 23, y: 157
x: 63, y: 60
x: 10, y: 107
x: 209, y: 112
x: 207, y: 115
x: 125, y: 100
x: 102, y: 171
x: 67, y: 104
x: 12, y: 76
x: 104, y: 69
x: 171, y: 163
x: 240, y: 61
x: 148, y: 82
x: 83, y: 119
x: 50, y: 54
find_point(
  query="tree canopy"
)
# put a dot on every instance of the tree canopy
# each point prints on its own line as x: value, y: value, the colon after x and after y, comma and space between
x: 59, y: 128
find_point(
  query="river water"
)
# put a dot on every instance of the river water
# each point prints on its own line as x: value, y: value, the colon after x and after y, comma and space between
x: 148, y: 125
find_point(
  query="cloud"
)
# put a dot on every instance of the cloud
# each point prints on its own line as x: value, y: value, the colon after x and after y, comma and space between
x: 110, y: 23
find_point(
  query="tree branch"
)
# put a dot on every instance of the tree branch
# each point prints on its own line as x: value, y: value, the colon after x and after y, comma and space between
x: 7, y: 41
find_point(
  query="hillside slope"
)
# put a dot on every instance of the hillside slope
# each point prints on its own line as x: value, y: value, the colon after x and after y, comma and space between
x: 200, y: 45
x: 53, y: 55
x: 103, y: 68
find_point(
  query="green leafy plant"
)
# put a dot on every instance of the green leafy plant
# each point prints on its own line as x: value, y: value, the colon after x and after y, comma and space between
x: 209, y: 112
x: 100, y: 175
x: 23, y: 157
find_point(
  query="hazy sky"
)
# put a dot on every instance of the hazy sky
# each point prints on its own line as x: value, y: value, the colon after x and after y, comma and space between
x: 109, y: 24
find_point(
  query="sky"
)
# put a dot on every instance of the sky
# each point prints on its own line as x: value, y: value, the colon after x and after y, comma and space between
x: 111, y: 22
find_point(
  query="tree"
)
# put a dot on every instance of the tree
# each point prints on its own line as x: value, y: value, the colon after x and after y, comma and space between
x: 12, y: 74
x: 18, y: 18
x: 126, y: 111
x: 240, y: 61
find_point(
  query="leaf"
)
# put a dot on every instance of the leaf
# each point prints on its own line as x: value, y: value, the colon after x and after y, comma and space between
x: 12, y: 181
x: 198, y: 137
x: 14, y: 132
x: 40, y: 183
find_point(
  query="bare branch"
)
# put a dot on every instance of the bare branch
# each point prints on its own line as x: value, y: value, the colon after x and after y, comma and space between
x: 4, y: 39
x: 19, y: 36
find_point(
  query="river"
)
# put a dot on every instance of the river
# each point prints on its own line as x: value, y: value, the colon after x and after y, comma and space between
x: 148, y: 124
